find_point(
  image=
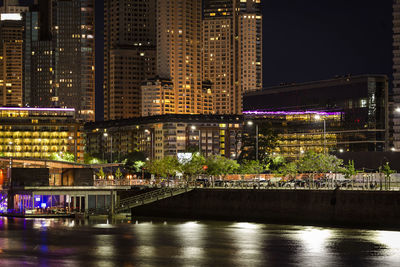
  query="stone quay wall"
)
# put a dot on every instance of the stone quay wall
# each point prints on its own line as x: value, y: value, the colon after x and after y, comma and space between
x: 379, y: 209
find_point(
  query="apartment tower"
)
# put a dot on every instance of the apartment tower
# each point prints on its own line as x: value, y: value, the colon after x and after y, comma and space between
x: 179, y: 54
x: 59, y: 55
x: 232, y: 46
x: 129, y: 55
x: 11, y: 58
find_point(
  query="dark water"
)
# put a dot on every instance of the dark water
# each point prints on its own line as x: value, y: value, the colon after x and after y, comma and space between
x: 62, y: 242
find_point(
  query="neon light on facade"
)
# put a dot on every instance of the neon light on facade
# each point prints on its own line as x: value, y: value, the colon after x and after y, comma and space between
x: 37, y: 109
x: 321, y: 113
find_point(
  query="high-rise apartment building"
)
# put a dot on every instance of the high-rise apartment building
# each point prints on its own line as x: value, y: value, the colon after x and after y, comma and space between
x: 232, y: 45
x: 11, y: 59
x: 59, y: 56
x: 13, y: 6
x: 207, y: 51
x: 129, y: 55
x: 396, y: 74
x: 179, y: 54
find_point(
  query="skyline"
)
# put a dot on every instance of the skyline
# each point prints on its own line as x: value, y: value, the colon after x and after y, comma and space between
x: 292, y: 25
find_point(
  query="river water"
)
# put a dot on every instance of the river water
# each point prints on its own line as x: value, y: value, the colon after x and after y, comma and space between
x: 65, y: 242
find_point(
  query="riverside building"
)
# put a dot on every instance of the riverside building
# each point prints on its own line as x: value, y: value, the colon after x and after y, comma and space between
x: 344, y: 114
x: 40, y: 132
x: 165, y: 135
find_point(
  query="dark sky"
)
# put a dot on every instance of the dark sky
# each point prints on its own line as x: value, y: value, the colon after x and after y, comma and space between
x: 306, y: 40
x: 318, y: 39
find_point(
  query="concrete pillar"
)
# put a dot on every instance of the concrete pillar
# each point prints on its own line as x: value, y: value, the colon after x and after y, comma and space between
x: 86, y: 202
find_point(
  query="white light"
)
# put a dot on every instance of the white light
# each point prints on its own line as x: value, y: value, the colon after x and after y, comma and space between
x: 393, y: 149
x: 250, y: 123
x: 397, y: 109
x: 105, y: 134
x: 10, y: 16
x: 341, y: 150
x: 193, y: 127
x: 317, y: 117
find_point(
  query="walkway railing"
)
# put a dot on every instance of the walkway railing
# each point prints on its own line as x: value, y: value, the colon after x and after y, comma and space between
x: 149, y: 197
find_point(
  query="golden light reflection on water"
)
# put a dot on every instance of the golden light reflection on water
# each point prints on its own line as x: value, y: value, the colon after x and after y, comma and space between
x: 104, y: 249
x: 247, y: 238
x: 391, y: 242
x: 314, y: 242
x: 191, y: 236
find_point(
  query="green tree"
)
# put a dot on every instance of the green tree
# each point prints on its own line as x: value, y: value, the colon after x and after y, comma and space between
x: 131, y: 159
x: 218, y: 165
x: 118, y: 174
x: 90, y: 159
x: 350, y: 171
x: 387, y: 171
x: 192, y: 167
x: 166, y: 167
x: 66, y: 156
x: 289, y: 169
x: 101, y: 174
x: 251, y: 167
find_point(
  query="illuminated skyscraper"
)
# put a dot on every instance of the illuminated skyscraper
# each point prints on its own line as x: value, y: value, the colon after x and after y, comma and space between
x: 129, y: 54
x: 179, y: 54
x: 232, y: 45
x: 11, y: 59
x: 59, y: 55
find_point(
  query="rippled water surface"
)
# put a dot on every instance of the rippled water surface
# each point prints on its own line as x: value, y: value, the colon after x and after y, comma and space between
x: 65, y: 242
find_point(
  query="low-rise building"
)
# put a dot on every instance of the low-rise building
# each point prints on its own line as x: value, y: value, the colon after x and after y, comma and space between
x: 40, y: 132
x: 166, y: 135
x: 345, y: 114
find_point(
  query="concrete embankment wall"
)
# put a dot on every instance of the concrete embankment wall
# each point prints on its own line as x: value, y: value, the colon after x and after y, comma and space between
x: 325, y: 207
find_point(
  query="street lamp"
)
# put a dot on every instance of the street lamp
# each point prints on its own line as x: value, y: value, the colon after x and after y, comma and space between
x: 250, y: 123
x: 151, y: 133
x: 106, y: 136
x: 193, y: 127
x: 318, y: 118
x: 75, y: 155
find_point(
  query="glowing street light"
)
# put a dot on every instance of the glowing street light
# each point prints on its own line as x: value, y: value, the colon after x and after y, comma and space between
x: 250, y: 123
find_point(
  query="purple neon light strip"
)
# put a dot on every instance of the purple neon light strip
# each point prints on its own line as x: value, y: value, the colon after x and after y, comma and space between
x: 38, y: 109
x: 321, y: 113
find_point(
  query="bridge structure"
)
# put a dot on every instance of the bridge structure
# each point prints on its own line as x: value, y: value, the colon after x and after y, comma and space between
x: 149, y: 197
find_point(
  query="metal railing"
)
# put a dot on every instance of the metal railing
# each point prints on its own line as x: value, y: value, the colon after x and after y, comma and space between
x: 149, y: 197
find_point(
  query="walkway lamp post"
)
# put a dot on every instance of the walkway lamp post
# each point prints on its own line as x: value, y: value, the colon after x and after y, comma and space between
x: 250, y: 123
x: 193, y: 127
x: 111, y: 139
x: 75, y: 152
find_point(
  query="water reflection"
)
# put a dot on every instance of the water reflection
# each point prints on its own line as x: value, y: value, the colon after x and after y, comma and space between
x: 248, y: 241
x: 65, y: 242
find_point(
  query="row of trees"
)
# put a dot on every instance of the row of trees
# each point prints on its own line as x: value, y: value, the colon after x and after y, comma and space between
x: 196, y: 165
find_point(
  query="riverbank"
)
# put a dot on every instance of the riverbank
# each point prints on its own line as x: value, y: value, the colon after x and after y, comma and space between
x: 365, y: 209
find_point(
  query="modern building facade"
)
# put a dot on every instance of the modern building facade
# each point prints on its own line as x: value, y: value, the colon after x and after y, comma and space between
x: 59, y: 56
x: 166, y: 135
x: 179, y: 53
x: 158, y: 97
x: 129, y: 55
x: 40, y: 132
x: 342, y: 114
x: 232, y: 45
x: 11, y: 59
